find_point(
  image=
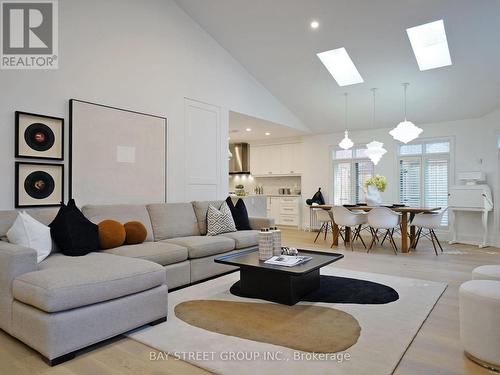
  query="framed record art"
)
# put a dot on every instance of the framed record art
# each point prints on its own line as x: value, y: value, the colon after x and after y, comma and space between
x: 39, y: 136
x: 39, y: 185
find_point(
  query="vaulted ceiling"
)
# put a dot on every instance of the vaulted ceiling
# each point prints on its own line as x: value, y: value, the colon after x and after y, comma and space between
x: 272, y: 39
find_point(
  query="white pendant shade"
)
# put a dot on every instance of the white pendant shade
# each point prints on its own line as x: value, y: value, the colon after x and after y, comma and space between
x: 405, y: 132
x: 346, y: 143
x: 375, y: 150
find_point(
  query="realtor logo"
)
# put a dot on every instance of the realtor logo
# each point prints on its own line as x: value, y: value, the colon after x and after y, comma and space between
x: 29, y: 35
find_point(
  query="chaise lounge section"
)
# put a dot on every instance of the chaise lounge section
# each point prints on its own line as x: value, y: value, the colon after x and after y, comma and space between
x: 65, y: 304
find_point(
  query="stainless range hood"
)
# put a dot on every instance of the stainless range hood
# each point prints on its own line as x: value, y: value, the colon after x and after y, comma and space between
x: 239, y: 163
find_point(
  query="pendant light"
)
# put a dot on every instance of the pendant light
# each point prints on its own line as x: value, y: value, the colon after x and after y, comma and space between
x: 406, y: 131
x: 346, y: 143
x: 375, y: 150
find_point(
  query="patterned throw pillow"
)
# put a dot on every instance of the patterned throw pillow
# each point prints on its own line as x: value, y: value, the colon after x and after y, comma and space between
x: 219, y: 220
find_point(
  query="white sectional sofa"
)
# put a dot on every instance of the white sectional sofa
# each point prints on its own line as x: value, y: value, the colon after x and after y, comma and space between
x: 64, y: 304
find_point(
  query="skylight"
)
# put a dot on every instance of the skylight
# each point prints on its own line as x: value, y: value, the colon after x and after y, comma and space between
x: 430, y: 45
x: 340, y: 66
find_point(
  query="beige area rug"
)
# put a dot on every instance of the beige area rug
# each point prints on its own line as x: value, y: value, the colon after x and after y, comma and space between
x: 302, y: 327
x: 386, y: 332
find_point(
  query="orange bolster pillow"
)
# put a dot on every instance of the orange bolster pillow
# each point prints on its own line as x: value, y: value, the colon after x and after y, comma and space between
x: 136, y: 232
x: 111, y: 234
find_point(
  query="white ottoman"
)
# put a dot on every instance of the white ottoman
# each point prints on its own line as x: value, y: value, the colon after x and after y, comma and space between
x: 489, y: 272
x: 480, y: 321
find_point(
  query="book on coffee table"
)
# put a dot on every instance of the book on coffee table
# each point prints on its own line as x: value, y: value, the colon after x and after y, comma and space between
x: 287, y: 260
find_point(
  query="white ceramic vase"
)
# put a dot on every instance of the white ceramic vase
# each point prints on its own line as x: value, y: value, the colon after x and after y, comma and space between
x: 373, y: 197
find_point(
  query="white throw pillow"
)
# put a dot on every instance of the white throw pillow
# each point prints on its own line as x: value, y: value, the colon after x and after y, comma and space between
x: 29, y: 232
x: 220, y: 221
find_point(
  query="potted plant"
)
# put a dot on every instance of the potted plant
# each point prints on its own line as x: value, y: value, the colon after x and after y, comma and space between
x: 240, y: 190
x: 374, y: 186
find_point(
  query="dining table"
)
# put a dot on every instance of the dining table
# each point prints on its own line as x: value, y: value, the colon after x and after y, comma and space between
x: 407, y: 214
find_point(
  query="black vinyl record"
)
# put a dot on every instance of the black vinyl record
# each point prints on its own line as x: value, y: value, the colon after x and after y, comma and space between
x: 39, y: 136
x: 39, y: 185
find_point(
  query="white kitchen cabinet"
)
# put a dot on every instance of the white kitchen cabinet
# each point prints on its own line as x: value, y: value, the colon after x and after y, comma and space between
x: 284, y: 210
x: 273, y: 208
x: 276, y: 160
x: 291, y: 159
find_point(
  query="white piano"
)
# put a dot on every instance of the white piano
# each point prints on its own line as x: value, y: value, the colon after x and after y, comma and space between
x: 470, y: 197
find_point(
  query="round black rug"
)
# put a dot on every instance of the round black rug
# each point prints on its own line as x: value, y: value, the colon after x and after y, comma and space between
x: 334, y: 289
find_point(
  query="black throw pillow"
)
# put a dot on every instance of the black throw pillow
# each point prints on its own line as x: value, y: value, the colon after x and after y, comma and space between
x: 240, y: 214
x: 72, y: 232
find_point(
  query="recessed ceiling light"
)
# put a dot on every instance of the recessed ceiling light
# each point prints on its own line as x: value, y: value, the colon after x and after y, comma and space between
x: 267, y: 133
x: 340, y: 66
x: 430, y: 45
x: 314, y: 24
x: 248, y: 129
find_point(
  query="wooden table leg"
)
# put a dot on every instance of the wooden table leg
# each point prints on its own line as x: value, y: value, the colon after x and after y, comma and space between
x: 335, y: 231
x: 347, y: 239
x: 404, y: 232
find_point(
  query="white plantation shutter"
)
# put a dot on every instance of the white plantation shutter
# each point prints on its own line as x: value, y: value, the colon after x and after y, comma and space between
x: 364, y: 171
x: 409, y: 181
x: 424, y: 176
x: 342, y: 183
x: 436, y: 184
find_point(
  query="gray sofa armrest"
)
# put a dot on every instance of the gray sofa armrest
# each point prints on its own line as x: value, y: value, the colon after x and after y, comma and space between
x: 260, y: 222
x: 14, y: 261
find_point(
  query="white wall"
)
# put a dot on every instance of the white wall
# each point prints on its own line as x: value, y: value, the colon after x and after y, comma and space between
x: 475, y: 148
x: 140, y: 55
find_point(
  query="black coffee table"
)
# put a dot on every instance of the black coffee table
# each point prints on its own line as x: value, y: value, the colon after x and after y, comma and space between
x: 285, y: 285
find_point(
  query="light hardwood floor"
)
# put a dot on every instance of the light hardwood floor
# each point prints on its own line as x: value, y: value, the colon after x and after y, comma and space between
x: 435, y: 350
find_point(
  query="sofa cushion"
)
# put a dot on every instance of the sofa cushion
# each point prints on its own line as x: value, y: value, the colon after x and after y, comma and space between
x: 120, y: 212
x: 30, y: 233
x: 243, y: 238
x: 73, y: 233
x: 159, y: 252
x: 202, y: 246
x: 219, y: 221
x: 64, y: 282
x: 136, y: 232
x: 170, y: 220
x: 239, y: 213
x: 201, y: 210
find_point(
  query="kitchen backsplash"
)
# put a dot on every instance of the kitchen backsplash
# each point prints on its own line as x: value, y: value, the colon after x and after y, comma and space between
x: 271, y: 185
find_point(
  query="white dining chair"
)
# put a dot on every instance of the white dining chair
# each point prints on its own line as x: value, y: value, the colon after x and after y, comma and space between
x: 326, y: 220
x: 345, y: 218
x: 429, y: 221
x: 383, y: 218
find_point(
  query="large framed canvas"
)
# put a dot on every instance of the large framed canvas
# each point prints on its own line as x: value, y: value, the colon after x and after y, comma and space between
x: 116, y: 155
x: 38, y: 184
x: 39, y: 136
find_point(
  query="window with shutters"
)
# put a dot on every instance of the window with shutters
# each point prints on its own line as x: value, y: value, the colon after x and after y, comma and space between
x: 424, y: 169
x: 351, y: 168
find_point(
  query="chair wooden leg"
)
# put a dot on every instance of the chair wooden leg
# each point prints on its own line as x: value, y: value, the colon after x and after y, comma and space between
x: 391, y: 237
x: 335, y: 236
x: 351, y: 240
x: 437, y: 240
x: 360, y: 237
x: 433, y: 243
x: 373, y: 240
x: 383, y: 239
x: 326, y: 229
x: 412, y: 243
x: 320, y: 229
x: 417, y: 238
